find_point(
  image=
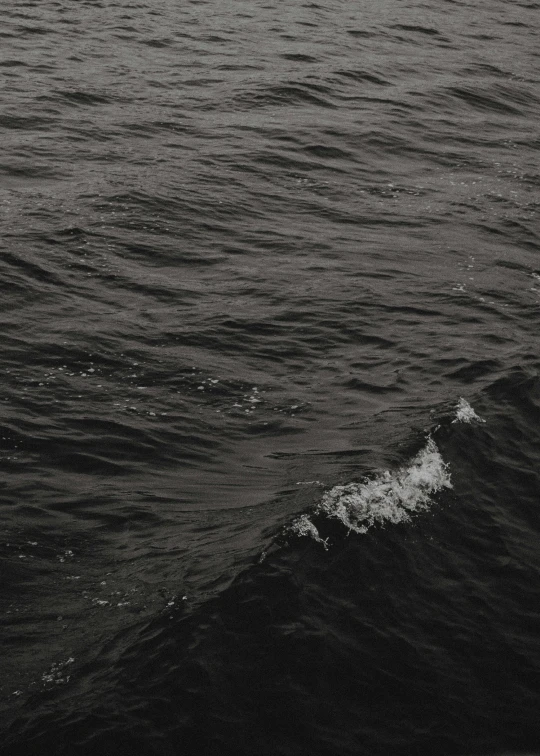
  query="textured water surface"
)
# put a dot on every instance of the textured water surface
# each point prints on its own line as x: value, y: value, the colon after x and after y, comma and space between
x: 269, y: 399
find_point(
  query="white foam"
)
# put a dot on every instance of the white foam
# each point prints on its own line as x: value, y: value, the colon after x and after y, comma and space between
x: 56, y: 673
x: 303, y: 526
x: 465, y: 413
x: 388, y: 497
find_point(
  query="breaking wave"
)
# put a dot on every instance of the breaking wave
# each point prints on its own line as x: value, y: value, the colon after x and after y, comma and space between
x: 465, y: 413
x: 388, y: 497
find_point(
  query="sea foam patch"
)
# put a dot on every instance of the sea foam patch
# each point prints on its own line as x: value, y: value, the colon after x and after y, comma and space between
x: 465, y: 413
x: 388, y: 497
x: 303, y: 526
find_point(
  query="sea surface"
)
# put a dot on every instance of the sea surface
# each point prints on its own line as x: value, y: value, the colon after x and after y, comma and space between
x: 269, y: 377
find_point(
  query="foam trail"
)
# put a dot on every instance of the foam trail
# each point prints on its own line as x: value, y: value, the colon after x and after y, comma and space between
x: 465, y: 413
x: 388, y: 497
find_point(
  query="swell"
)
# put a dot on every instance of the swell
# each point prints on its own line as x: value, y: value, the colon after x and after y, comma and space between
x: 396, y: 605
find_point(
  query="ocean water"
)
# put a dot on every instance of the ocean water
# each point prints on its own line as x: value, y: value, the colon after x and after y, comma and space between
x: 270, y: 401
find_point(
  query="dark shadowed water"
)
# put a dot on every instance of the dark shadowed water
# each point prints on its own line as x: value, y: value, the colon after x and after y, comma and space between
x: 270, y: 402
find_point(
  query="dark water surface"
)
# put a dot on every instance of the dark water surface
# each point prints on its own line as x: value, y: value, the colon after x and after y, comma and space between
x: 270, y: 405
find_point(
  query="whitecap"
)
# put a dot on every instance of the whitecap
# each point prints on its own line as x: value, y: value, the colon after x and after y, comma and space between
x: 389, y: 497
x: 465, y: 413
x: 303, y: 526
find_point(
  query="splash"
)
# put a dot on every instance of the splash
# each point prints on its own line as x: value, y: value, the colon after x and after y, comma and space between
x: 390, y: 497
x: 465, y: 413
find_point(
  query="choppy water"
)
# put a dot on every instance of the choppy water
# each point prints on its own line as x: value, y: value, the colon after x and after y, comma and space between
x: 269, y: 430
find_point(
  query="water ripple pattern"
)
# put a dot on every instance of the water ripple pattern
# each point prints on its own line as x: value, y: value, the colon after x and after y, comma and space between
x: 251, y: 255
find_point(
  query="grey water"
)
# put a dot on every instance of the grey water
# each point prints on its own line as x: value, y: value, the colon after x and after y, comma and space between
x: 269, y: 377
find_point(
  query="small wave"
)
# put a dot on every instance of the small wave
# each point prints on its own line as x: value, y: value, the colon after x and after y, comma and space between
x: 388, y: 497
x: 465, y: 413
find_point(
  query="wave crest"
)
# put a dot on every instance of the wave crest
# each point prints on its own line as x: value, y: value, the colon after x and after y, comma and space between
x: 465, y: 413
x: 388, y: 497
